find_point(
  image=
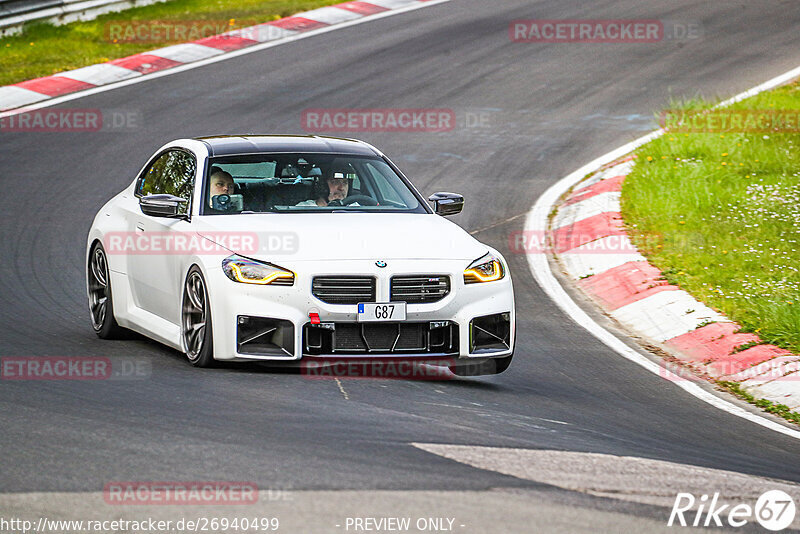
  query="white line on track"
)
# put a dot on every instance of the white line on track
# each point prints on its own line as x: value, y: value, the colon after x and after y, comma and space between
x: 221, y: 57
x: 537, y: 221
x: 341, y: 389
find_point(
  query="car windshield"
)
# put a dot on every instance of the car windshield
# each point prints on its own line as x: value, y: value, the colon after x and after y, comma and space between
x: 269, y: 183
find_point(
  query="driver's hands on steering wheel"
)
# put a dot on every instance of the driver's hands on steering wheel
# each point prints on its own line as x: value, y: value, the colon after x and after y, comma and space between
x: 363, y: 200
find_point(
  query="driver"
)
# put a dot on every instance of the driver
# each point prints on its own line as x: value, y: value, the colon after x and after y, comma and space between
x: 331, y: 192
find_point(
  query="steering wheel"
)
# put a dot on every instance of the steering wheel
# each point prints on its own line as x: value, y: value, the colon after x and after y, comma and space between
x: 364, y: 200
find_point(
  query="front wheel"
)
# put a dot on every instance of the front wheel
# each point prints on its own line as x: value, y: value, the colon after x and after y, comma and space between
x: 196, y: 320
x: 101, y: 305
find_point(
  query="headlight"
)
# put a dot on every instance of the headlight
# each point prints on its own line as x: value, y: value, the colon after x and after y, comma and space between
x: 249, y: 271
x: 486, y: 269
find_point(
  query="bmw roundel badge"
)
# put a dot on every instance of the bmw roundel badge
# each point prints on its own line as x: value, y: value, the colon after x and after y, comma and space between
x: 380, y: 264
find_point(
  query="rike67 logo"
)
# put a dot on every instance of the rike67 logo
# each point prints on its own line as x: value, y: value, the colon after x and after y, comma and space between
x: 774, y: 510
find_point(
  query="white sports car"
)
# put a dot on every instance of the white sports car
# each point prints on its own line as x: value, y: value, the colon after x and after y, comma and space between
x: 285, y: 248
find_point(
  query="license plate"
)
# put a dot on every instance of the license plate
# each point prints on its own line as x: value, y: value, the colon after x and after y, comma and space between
x: 376, y: 312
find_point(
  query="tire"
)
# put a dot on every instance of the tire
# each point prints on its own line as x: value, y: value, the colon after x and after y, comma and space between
x: 101, y: 304
x: 492, y: 366
x: 196, y: 320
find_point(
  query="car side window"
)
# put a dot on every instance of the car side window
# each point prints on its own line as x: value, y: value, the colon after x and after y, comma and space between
x: 171, y: 173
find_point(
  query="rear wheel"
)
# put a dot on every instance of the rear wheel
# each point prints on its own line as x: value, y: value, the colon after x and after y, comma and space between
x: 196, y: 320
x: 101, y: 305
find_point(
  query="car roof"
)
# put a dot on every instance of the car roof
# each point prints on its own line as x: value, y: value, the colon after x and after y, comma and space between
x: 228, y: 145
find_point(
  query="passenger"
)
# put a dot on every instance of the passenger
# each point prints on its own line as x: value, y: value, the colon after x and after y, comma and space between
x: 221, y: 184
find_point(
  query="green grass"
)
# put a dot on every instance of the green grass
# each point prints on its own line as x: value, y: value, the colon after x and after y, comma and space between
x: 43, y: 49
x: 781, y: 410
x: 719, y: 214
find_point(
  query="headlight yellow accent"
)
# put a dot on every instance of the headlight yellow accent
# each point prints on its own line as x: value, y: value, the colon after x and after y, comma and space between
x: 247, y: 271
x: 240, y: 277
x: 474, y: 274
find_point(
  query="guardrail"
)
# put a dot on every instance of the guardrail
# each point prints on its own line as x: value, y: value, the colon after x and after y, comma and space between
x: 15, y: 13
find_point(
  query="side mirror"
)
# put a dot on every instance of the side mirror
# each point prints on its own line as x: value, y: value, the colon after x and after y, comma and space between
x: 445, y: 204
x: 161, y: 205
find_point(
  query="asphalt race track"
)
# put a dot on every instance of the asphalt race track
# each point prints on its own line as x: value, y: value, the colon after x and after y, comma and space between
x: 546, y: 109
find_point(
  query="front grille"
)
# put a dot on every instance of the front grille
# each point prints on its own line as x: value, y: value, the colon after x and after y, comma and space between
x: 420, y: 289
x: 343, y: 289
x: 381, y: 338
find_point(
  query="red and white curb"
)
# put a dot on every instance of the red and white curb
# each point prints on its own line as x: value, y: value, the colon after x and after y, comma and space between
x: 36, y: 91
x: 588, y: 238
x: 634, y: 292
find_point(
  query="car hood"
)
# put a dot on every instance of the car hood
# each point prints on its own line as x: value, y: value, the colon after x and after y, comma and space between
x: 340, y: 236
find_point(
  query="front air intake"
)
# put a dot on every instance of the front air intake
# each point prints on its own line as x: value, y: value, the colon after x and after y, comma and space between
x: 490, y: 333
x: 263, y: 336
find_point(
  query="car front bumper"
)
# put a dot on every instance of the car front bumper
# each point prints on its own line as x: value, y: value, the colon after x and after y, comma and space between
x: 234, y: 305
